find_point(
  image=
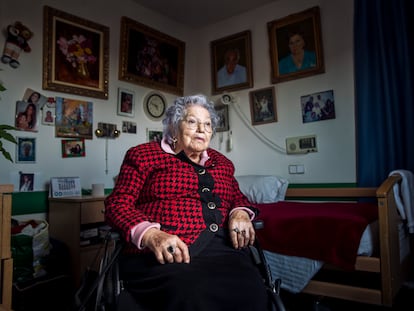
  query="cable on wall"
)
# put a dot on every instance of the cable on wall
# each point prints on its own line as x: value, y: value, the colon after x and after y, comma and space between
x: 228, y: 99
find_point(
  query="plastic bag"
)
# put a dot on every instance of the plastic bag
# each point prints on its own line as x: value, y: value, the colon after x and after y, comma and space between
x: 38, y: 232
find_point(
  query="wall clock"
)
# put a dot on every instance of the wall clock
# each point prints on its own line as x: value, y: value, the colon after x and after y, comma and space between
x: 155, y: 106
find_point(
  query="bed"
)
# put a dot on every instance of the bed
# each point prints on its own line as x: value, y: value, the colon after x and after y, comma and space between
x: 376, y: 266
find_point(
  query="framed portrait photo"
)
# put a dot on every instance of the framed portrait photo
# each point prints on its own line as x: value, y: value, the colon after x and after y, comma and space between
x: 151, y: 58
x: 73, y: 148
x: 26, y: 150
x: 154, y: 135
x: 296, y: 46
x: 223, y: 112
x: 231, y: 59
x: 126, y: 103
x: 263, y: 106
x: 75, y: 55
x: 48, y: 115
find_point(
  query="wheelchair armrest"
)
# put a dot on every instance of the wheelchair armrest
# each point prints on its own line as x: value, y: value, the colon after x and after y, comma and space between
x: 258, y: 224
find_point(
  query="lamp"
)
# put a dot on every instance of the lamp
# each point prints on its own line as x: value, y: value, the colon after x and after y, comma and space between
x: 107, y: 130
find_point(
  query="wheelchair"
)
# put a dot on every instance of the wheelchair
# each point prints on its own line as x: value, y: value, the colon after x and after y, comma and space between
x: 103, y: 293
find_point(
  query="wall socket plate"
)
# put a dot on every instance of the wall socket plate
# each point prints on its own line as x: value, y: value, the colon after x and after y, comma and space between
x: 301, y: 144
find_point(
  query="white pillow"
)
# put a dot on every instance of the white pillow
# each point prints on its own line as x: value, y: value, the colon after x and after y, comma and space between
x: 263, y: 188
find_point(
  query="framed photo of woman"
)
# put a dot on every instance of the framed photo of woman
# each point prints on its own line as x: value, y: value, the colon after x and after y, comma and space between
x: 296, y: 46
x: 126, y: 103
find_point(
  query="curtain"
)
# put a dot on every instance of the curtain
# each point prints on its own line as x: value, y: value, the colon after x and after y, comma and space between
x: 384, y: 72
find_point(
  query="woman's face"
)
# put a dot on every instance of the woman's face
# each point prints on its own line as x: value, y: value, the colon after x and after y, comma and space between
x: 195, y: 130
x: 34, y: 97
x: 296, y: 44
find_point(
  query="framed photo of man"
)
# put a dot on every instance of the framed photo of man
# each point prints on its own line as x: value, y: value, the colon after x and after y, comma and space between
x: 231, y: 59
x: 296, y: 46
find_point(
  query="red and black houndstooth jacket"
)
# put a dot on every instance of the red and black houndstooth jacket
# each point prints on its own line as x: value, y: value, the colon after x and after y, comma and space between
x: 187, y: 199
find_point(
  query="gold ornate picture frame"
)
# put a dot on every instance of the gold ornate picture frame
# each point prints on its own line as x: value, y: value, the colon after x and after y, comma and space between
x: 231, y: 59
x: 75, y: 55
x: 295, y: 43
x: 151, y: 58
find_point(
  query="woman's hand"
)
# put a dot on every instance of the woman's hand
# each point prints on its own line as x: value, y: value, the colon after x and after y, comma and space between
x: 166, y: 247
x: 241, y: 229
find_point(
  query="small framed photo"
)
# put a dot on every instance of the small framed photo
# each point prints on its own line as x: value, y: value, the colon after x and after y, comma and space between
x: 232, y: 63
x: 26, y: 182
x: 223, y: 112
x: 154, y: 135
x: 129, y: 127
x: 74, y: 118
x: 27, y: 115
x: 26, y: 150
x: 318, y: 106
x: 126, y: 103
x: 72, y: 148
x: 295, y: 43
x: 48, y: 115
x: 263, y: 106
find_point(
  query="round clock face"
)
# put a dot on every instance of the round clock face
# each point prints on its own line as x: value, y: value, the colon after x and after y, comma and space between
x: 155, y: 106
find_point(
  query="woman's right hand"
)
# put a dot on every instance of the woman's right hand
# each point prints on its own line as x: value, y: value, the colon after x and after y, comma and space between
x: 166, y: 247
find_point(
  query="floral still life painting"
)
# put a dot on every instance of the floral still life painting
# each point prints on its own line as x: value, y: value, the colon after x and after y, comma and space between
x: 78, y: 53
x: 75, y: 55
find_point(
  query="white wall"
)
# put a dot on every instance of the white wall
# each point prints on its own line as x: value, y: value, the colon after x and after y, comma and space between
x: 334, y: 161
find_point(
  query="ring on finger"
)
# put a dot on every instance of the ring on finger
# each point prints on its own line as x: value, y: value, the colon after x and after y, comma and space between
x: 237, y: 230
x: 171, y: 249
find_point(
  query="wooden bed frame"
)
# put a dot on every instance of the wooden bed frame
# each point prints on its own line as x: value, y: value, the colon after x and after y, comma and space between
x: 391, y: 271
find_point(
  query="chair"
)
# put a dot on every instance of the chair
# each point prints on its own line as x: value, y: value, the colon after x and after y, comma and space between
x: 103, y: 293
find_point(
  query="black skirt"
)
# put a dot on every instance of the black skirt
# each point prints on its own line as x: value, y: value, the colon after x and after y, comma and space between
x: 218, y: 278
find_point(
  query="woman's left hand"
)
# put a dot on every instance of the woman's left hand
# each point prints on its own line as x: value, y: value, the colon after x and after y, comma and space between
x: 241, y: 229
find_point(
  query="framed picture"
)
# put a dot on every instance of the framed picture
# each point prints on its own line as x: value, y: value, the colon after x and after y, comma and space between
x: 151, y: 58
x: 48, y: 115
x: 154, y: 135
x: 26, y: 150
x: 296, y: 46
x: 73, y: 148
x: 263, y: 106
x: 232, y: 63
x: 318, y: 106
x: 27, y: 115
x: 129, y: 127
x: 75, y: 55
x: 223, y: 112
x: 126, y: 103
x: 73, y: 118
x: 26, y: 182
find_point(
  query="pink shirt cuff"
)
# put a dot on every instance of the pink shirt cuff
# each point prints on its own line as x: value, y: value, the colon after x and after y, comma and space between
x: 249, y: 211
x: 139, y: 230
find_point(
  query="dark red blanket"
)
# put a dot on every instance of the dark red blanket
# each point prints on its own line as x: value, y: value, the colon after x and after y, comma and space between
x: 326, y: 231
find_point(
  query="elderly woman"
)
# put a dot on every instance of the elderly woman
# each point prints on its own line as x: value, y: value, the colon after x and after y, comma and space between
x: 185, y: 222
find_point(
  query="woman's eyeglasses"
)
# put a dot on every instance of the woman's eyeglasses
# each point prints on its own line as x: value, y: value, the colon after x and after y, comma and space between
x: 193, y: 123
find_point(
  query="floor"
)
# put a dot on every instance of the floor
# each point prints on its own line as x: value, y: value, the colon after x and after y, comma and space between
x: 303, y: 302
